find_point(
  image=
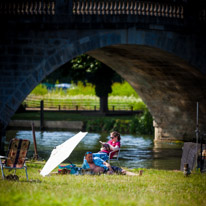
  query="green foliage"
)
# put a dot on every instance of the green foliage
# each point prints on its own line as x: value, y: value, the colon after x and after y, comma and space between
x: 103, y: 125
x: 80, y: 88
x: 40, y: 90
x: 140, y: 124
x: 123, y: 89
x: 88, y: 69
x: 83, y: 95
x: 146, y: 123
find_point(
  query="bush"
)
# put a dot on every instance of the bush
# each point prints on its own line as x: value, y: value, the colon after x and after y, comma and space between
x: 121, y: 126
x: 138, y: 125
x: 81, y: 89
x: 40, y: 90
x: 123, y: 89
x: 94, y: 125
x: 145, y: 124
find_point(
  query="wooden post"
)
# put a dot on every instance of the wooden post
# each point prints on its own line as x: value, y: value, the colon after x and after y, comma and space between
x: 131, y: 108
x: 113, y: 108
x: 35, y: 157
x: 95, y: 108
x: 76, y: 107
x: 42, y: 115
x: 59, y: 107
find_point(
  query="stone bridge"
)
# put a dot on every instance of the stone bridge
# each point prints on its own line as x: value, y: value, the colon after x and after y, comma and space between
x: 157, y: 46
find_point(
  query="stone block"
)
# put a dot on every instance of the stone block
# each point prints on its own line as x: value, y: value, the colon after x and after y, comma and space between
x: 28, y: 51
x: 39, y: 52
x: 15, y: 50
x: 51, y: 51
x: 37, y: 59
x: 52, y: 61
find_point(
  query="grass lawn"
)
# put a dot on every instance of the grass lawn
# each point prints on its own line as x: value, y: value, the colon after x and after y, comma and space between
x: 155, y: 187
x: 66, y: 116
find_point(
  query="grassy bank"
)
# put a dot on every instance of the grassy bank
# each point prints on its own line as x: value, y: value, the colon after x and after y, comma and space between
x: 122, y: 97
x: 155, y: 187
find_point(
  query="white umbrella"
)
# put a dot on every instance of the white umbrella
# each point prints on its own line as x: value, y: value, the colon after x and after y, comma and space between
x: 61, y: 152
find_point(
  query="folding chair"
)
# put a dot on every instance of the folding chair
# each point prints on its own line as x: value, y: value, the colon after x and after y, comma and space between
x: 115, y: 157
x: 16, y: 156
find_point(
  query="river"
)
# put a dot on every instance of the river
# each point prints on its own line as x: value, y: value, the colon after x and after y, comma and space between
x: 136, y: 151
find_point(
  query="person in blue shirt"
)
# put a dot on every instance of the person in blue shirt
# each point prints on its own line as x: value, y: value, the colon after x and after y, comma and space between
x: 98, y: 166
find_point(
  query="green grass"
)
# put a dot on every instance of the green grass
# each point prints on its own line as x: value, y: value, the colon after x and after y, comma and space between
x: 123, y: 97
x: 84, y: 102
x: 155, y: 187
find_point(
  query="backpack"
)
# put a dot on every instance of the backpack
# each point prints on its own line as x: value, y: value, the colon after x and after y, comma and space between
x: 68, y: 169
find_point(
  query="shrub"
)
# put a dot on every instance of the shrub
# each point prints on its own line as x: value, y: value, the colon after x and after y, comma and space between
x: 138, y: 125
x: 121, y: 126
x: 82, y: 89
x: 40, y: 90
x: 123, y: 89
x: 94, y: 125
x: 146, y: 123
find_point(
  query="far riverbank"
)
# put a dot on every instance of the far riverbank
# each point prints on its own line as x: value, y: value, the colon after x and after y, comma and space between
x: 92, y: 122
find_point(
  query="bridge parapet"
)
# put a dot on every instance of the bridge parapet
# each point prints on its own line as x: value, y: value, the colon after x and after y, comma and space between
x: 169, y: 8
x: 128, y: 7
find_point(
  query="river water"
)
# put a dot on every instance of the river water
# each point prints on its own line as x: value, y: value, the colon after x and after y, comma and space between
x: 136, y: 151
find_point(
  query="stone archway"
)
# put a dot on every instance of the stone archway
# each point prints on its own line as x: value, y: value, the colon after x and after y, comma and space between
x: 168, y: 85
x: 35, y: 54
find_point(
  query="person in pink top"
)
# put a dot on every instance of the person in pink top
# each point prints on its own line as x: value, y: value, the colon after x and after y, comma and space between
x: 111, y: 145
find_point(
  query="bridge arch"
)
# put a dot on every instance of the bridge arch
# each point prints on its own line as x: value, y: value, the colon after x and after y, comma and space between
x: 142, y: 57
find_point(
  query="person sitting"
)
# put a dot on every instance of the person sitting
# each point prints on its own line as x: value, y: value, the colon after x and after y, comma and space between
x: 111, y: 145
x: 99, y: 166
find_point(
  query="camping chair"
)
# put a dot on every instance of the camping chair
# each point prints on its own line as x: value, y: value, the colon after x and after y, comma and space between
x: 115, y: 157
x: 16, y: 156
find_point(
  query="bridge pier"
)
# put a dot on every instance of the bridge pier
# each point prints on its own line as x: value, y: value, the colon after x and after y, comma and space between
x: 161, y: 135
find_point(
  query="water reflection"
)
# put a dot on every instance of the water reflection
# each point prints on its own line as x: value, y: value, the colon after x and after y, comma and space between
x: 136, y: 151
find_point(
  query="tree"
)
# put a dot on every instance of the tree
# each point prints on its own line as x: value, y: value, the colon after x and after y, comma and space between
x: 88, y: 69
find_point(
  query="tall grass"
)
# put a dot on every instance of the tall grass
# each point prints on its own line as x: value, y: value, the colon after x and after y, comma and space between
x: 123, y: 97
x: 123, y: 89
x: 118, y: 89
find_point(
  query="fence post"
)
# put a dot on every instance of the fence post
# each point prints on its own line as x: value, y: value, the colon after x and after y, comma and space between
x: 42, y: 115
x: 95, y: 108
x: 76, y: 107
x: 131, y: 108
x: 59, y: 107
x: 113, y: 108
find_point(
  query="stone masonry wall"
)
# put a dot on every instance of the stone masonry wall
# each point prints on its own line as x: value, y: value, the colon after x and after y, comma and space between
x: 27, y: 56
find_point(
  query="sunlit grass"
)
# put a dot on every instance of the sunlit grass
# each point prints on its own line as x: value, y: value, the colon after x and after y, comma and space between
x: 84, y: 102
x: 123, y: 97
x: 155, y: 187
